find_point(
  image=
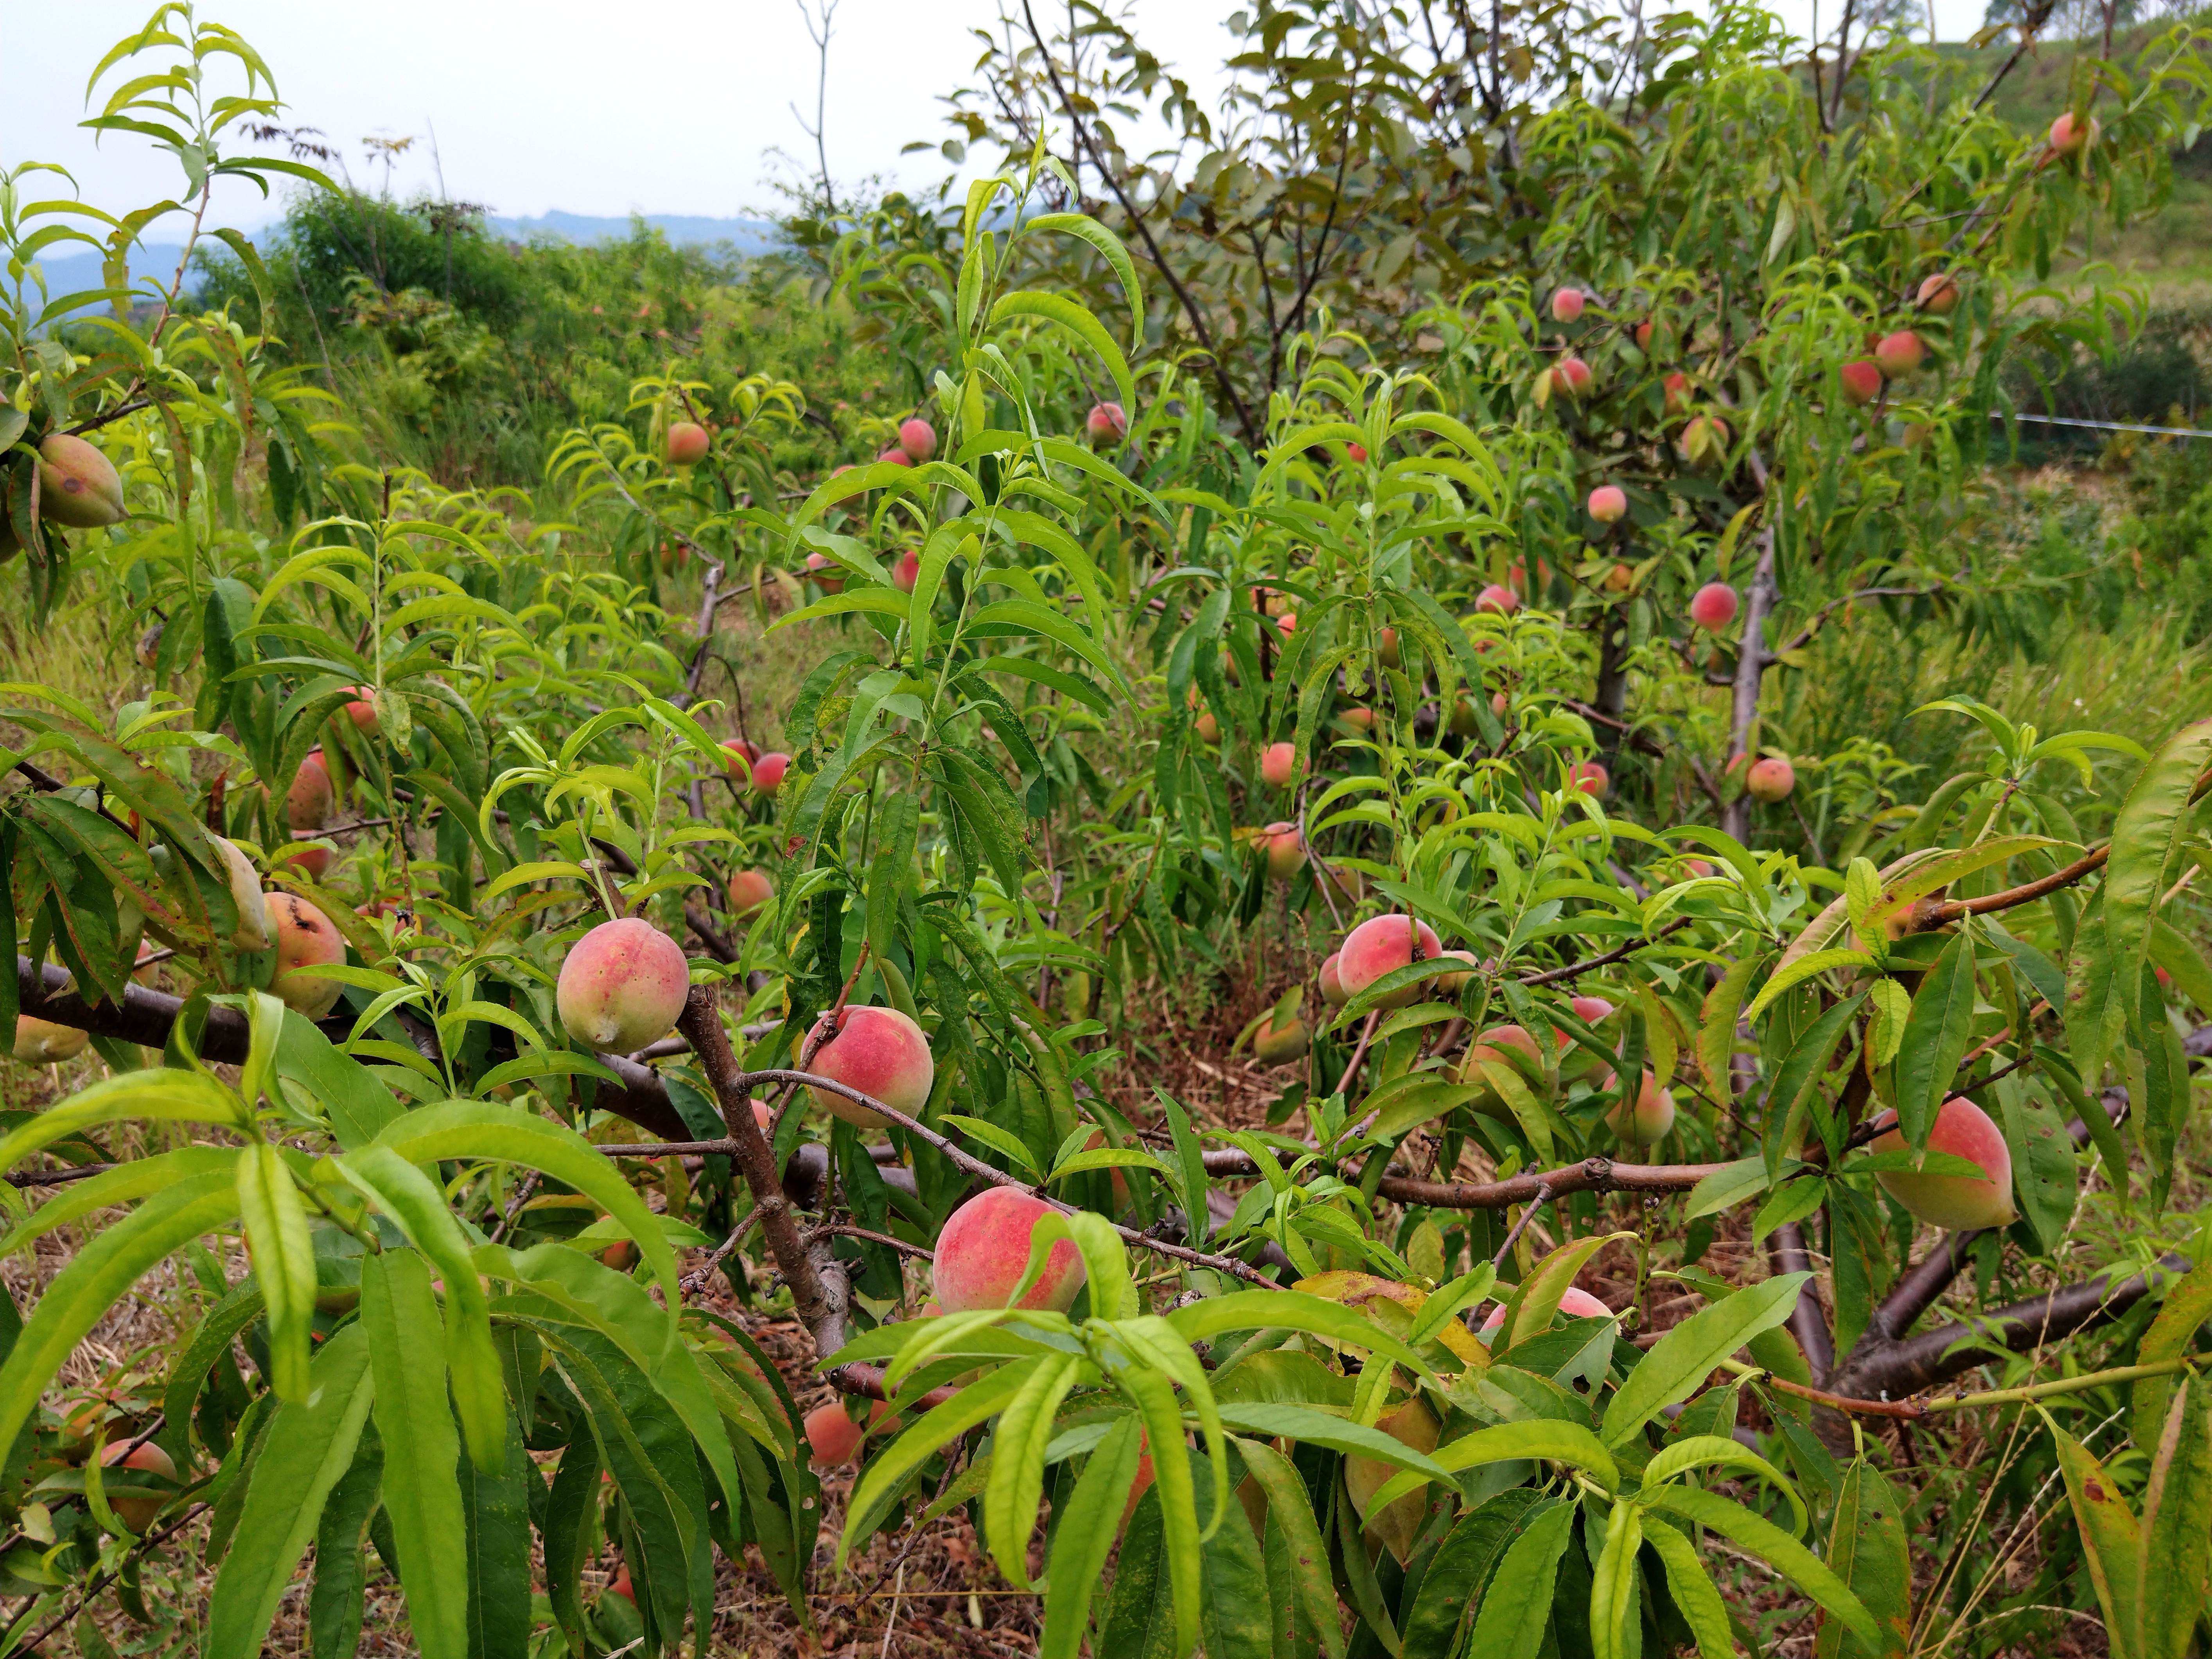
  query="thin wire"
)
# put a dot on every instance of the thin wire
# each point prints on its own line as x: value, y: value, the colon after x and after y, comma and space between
x: 2103, y: 426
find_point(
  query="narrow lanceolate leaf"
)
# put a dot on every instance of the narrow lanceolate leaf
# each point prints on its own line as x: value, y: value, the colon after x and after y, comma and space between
x: 1084, y: 1537
x: 1771, y: 1545
x: 2176, y: 1535
x: 1235, y: 1613
x: 1518, y: 1606
x: 336, y: 1603
x: 2111, y: 1542
x: 1017, y: 1482
x: 496, y: 1509
x: 408, y: 1196
x: 1163, y: 1413
x: 1548, y: 1439
x: 1937, y: 1034
x: 1867, y: 1549
x: 407, y: 1343
x: 974, y: 1404
x: 109, y: 1263
x: 1696, y: 1597
x: 283, y: 1262
x: 1613, y: 1584
x: 1290, y: 1507
x: 1723, y: 1005
x: 309, y: 1446
x: 2150, y: 822
x: 1544, y: 1287
x: 2095, y: 1010
x: 1460, y: 1570
x: 2187, y: 1306
x: 1682, y: 1358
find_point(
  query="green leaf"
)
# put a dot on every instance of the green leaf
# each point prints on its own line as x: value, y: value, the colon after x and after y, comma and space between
x: 1789, y: 1101
x: 1017, y: 1483
x: 1293, y: 1311
x: 339, y: 1599
x: 1529, y: 1312
x: 407, y: 1347
x: 1680, y: 1362
x: 1290, y: 1506
x: 1111, y: 249
x: 1771, y: 1545
x: 1797, y: 972
x: 2187, y: 1305
x: 1729, y: 1185
x: 2112, y: 1542
x: 283, y: 1262
x: 1189, y: 1172
x: 496, y: 1509
x: 2176, y: 1534
x: 1140, y: 1618
x: 2150, y: 825
x: 108, y: 1263
x: 1715, y: 1451
x: 1695, y: 1596
x: 1517, y: 1610
x: 1156, y: 1399
x: 1083, y: 1537
x: 1321, y: 1428
x: 1460, y: 1571
x: 1235, y: 1613
x: 1867, y: 1548
x: 1935, y: 1038
x: 1613, y: 1615
x: 308, y: 1447
x: 976, y: 1403
x: 1076, y: 319
x: 1547, y: 1438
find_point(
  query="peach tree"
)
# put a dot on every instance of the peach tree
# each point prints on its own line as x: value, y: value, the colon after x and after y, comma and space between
x: 508, y: 973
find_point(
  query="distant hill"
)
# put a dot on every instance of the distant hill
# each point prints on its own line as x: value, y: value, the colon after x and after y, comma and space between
x: 78, y: 272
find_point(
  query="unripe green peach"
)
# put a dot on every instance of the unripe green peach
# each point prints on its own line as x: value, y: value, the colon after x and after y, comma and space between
x: 984, y: 1249
x: 883, y: 1055
x: 78, y: 486
x: 305, y: 940
x: 1276, y: 1044
x: 621, y: 986
x: 40, y: 1042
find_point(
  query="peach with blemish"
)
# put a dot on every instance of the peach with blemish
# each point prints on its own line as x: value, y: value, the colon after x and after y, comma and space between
x: 622, y: 984
x: 306, y: 940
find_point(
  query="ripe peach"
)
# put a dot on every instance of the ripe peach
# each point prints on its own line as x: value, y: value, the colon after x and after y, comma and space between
x: 768, y: 771
x: 1287, y: 623
x: 1380, y: 944
x: 620, y: 1256
x: 1675, y: 388
x: 1332, y: 988
x: 907, y: 572
x: 362, y: 710
x: 2067, y: 136
x: 252, y: 931
x: 623, y: 1587
x: 1590, y: 778
x: 1208, y: 727
x: 1105, y: 423
x: 1359, y: 719
x: 1954, y: 1202
x: 918, y: 438
x: 78, y: 487
x: 1644, y: 1121
x: 1713, y: 606
x: 1499, y: 704
x: 1411, y: 1424
x: 1608, y: 504
x: 307, y: 802
x: 1619, y: 579
x: 1503, y: 600
x: 1704, y: 439
x: 306, y: 940
x: 985, y: 1248
x: 687, y: 443
x: 1356, y: 453
x: 134, y: 1511
x: 744, y: 756
x: 1387, y: 650
x: 622, y: 984
x: 1770, y: 780
x: 1567, y: 305
x: 148, y: 649
x: 38, y: 1042
x: 1276, y: 1044
x: 1462, y: 717
x: 822, y: 569
x: 1938, y: 295
x: 1574, y: 1301
x: 1644, y: 330
x: 1862, y: 381
x: 1285, y: 857
x: 748, y: 891
x: 1591, y: 1010
x: 1898, y: 353
x: 1449, y: 984
x: 881, y: 1052
x: 895, y: 457
x: 1280, y: 765
x: 1571, y: 378
x: 833, y: 1438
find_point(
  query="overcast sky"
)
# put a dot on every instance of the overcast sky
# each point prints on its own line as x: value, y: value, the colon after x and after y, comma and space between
x: 663, y: 108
